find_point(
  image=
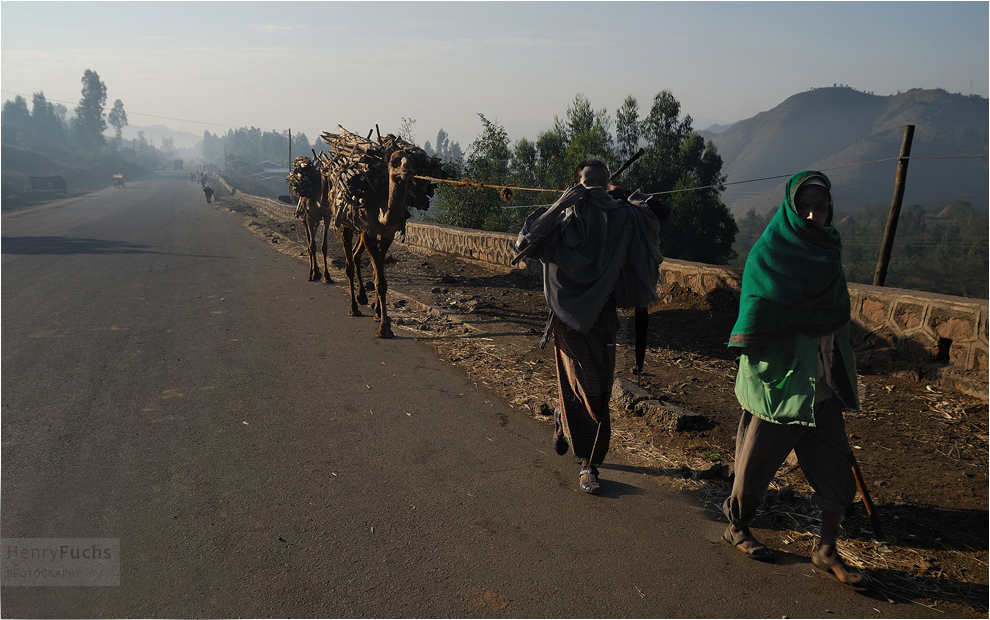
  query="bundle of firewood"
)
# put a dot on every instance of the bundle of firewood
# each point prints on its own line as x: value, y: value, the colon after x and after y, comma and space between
x: 358, y: 172
x: 420, y: 191
x: 304, y: 179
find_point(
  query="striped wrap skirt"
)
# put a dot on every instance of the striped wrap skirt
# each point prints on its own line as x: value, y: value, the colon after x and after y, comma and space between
x: 585, y: 372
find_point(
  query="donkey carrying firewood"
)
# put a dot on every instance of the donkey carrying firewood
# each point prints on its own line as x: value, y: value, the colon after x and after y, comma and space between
x: 371, y: 186
x: 313, y: 207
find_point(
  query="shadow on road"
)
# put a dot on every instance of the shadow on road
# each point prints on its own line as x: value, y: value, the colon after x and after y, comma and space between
x: 71, y: 245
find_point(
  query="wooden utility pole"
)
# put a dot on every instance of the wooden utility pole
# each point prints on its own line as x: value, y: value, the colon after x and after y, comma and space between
x: 290, y: 148
x: 895, y: 207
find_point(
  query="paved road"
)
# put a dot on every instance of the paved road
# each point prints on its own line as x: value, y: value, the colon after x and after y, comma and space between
x: 172, y: 382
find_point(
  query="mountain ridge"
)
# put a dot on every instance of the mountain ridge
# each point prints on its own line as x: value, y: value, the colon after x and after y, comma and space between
x: 839, y: 127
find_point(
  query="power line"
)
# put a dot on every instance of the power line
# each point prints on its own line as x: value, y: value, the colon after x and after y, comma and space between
x: 787, y: 176
x: 916, y: 245
x: 128, y: 112
x: 770, y: 178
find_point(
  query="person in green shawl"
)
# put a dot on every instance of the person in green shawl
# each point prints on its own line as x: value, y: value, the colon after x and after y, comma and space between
x: 797, y: 371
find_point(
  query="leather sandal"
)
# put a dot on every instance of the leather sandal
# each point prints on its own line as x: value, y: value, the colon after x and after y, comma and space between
x: 746, y: 543
x: 589, y: 481
x: 826, y: 566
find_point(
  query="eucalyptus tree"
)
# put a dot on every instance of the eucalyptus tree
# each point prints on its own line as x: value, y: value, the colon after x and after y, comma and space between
x: 118, y: 120
x: 90, y: 122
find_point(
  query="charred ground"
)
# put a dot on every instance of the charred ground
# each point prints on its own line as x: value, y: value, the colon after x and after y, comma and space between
x: 922, y: 449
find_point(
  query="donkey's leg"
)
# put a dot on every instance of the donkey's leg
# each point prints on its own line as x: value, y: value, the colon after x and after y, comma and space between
x: 362, y: 295
x: 381, y: 287
x: 314, y: 267
x: 346, y: 238
x: 326, y: 235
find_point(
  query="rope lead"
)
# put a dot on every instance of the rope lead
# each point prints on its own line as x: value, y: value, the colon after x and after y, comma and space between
x: 506, y: 191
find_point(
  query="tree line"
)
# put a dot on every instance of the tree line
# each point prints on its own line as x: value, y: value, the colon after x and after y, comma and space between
x: 44, y: 139
x: 253, y: 146
x: 45, y: 125
x: 46, y: 128
x: 677, y: 158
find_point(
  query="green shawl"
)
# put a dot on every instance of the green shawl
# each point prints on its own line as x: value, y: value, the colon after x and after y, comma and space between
x: 793, y: 280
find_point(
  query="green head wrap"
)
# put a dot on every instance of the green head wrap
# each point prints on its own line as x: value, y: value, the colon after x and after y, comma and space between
x: 793, y: 280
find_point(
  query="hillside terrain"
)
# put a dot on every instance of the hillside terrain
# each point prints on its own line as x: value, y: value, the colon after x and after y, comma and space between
x: 828, y: 128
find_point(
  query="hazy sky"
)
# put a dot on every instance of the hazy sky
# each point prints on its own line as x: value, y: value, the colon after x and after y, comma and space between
x: 311, y: 65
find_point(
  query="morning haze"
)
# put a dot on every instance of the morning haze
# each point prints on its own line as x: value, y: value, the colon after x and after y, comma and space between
x: 309, y: 66
x: 226, y: 436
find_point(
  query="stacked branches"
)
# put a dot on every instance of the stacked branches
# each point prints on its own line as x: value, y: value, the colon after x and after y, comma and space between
x: 357, y: 173
x: 304, y: 180
x: 420, y: 191
x: 357, y: 170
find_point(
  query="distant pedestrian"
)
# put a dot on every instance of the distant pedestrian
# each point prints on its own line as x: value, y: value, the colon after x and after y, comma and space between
x: 209, y: 194
x: 796, y: 371
x: 598, y: 253
x: 192, y: 175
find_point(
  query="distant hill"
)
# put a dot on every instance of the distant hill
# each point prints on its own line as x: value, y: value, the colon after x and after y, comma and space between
x: 833, y: 127
x: 713, y: 130
x: 716, y: 129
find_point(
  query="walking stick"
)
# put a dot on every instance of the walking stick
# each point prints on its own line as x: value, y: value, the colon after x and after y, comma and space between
x: 642, y: 334
x: 867, y: 501
x: 628, y: 163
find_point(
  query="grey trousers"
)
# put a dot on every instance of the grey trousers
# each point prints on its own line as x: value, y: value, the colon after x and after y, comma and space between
x: 822, y: 452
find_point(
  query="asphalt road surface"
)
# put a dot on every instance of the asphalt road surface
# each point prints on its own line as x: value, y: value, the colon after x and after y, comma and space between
x: 171, y: 382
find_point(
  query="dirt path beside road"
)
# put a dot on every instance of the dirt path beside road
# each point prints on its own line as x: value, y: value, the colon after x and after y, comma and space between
x: 923, y: 451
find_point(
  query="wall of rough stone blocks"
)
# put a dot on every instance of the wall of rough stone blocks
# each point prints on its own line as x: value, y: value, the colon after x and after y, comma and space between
x: 272, y: 208
x: 920, y: 326
x: 224, y: 184
x: 923, y: 325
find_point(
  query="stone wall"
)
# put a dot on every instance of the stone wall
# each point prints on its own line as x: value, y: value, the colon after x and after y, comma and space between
x: 272, y: 208
x: 920, y: 327
x: 923, y: 326
x: 497, y: 249
x: 941, y: 337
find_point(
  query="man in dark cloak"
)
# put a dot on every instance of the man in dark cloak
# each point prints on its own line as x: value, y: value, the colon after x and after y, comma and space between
x: 599, y: 253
